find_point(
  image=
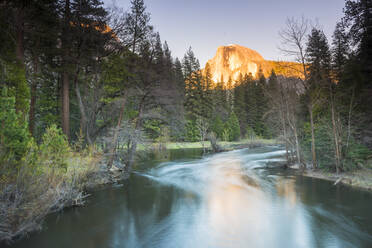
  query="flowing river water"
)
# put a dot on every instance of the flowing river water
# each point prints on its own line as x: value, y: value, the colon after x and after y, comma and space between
x: 231, y: 199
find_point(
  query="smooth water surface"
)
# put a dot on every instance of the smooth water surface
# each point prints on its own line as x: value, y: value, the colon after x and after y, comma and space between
x: 224, y: 200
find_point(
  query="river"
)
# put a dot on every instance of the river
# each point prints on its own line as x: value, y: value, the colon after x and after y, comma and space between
x: 229, y: 199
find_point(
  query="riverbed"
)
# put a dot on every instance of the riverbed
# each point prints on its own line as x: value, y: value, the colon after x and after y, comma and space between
x: 232, y: 199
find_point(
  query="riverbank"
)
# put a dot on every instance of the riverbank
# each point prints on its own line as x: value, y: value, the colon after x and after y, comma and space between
x: 37, y: 192
x: 361, y: 179
x: 44, y: 187
x: 280, y: 202
x: 225, y: 145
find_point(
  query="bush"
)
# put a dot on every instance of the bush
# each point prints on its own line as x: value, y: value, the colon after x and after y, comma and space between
x: 49, y: 178
x: 250, y: 134
x: 233, y: 127
x: 54, y: 149
x: 217, y: 127
x: 226, y: 134
x: 355, y: 155
x: 14, y: 136
x: 192, y: 132
x: 324, y: 146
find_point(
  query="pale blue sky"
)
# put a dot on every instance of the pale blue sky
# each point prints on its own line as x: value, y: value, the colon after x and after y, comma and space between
x: 205, y: 25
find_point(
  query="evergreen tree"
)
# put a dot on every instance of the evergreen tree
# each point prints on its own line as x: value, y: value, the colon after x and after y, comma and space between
x: 193, y: 86
x: 136, y: 26
x: 358, y: 20
x: 233, y: 127
x: 318, y: 56
x: 340, y: 50
x: 358, y: 17
x: 261, y: 105
x: 240, y: 104
x: 250, y: 101
x: 217, y: 127
x: 14, y: 136
x: 207, y: 87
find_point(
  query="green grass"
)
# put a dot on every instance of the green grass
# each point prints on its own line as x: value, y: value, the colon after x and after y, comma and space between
x: 224, y: 144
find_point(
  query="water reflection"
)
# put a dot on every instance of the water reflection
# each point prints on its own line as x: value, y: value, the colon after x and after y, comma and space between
x: 224, y: 200
x: 286, y: 188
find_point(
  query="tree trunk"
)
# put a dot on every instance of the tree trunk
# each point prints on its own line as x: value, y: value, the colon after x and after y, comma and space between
x: 297, y: 147
x: 349, y: 118
x: 282, y: 116
x: 133, y: 148
x: 131, y: 153
x: 84, y: 119
x: 292, y: 122
x: 20, y: 35
x: 313, y: 152
x: 116, y: 133
x: 285, y: 135
x: 65, y: 117
x: 213, y: 140
x: 66, y: 104
x: 335, y: 133
x: 33, y: 96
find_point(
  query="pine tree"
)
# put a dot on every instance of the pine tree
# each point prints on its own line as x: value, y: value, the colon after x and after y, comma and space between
x: 358, y: 18
x: 261, y: 105
x: 217, y: 127
x: 233, y: 127
x: 207, y: 101
x: 250, y: 101
x: 239, y: 104
x: 319, y: 59
x: 340, y: 50
x: 158, y: 54
x: 14, y: 136
x: 137, y: 27
x: 318, y: 56
x: 193, y: 86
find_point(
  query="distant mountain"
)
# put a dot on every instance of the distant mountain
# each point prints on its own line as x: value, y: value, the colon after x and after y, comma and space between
x: 234, y: 60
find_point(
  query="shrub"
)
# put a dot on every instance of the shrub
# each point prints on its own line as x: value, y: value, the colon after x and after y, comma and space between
x: 14, y: 136
x: 217, y: 127
x: 356, y: 155
x: 192, y: 132
x: 234, y: 127
x: 54, y: 149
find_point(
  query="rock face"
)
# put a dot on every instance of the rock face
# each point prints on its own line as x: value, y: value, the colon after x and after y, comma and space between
x: 233, y: 61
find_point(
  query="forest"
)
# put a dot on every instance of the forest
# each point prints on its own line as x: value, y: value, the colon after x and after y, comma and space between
x: 85, y: 88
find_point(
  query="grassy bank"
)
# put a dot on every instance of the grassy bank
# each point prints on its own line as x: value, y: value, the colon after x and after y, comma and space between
x: 35, y: 191
x: 43, y: 178
x: 225, y: 145
x: 361, y: 178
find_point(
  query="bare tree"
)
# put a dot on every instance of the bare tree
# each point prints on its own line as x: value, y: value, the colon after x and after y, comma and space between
x: 290, y: 100
x: 293, y: 39
x: 202, y: 125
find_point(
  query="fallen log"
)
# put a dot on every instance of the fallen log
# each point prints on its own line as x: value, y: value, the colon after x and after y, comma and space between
x: 338, y: 181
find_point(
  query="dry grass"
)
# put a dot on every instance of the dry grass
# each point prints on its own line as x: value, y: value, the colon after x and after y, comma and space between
x: 360, y: 178
x: 26, y: 198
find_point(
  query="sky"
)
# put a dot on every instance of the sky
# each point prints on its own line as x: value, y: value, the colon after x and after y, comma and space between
x: 205, y: 24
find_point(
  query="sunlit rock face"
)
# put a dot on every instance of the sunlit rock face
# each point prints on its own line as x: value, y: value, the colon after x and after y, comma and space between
x: 233, y: 61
